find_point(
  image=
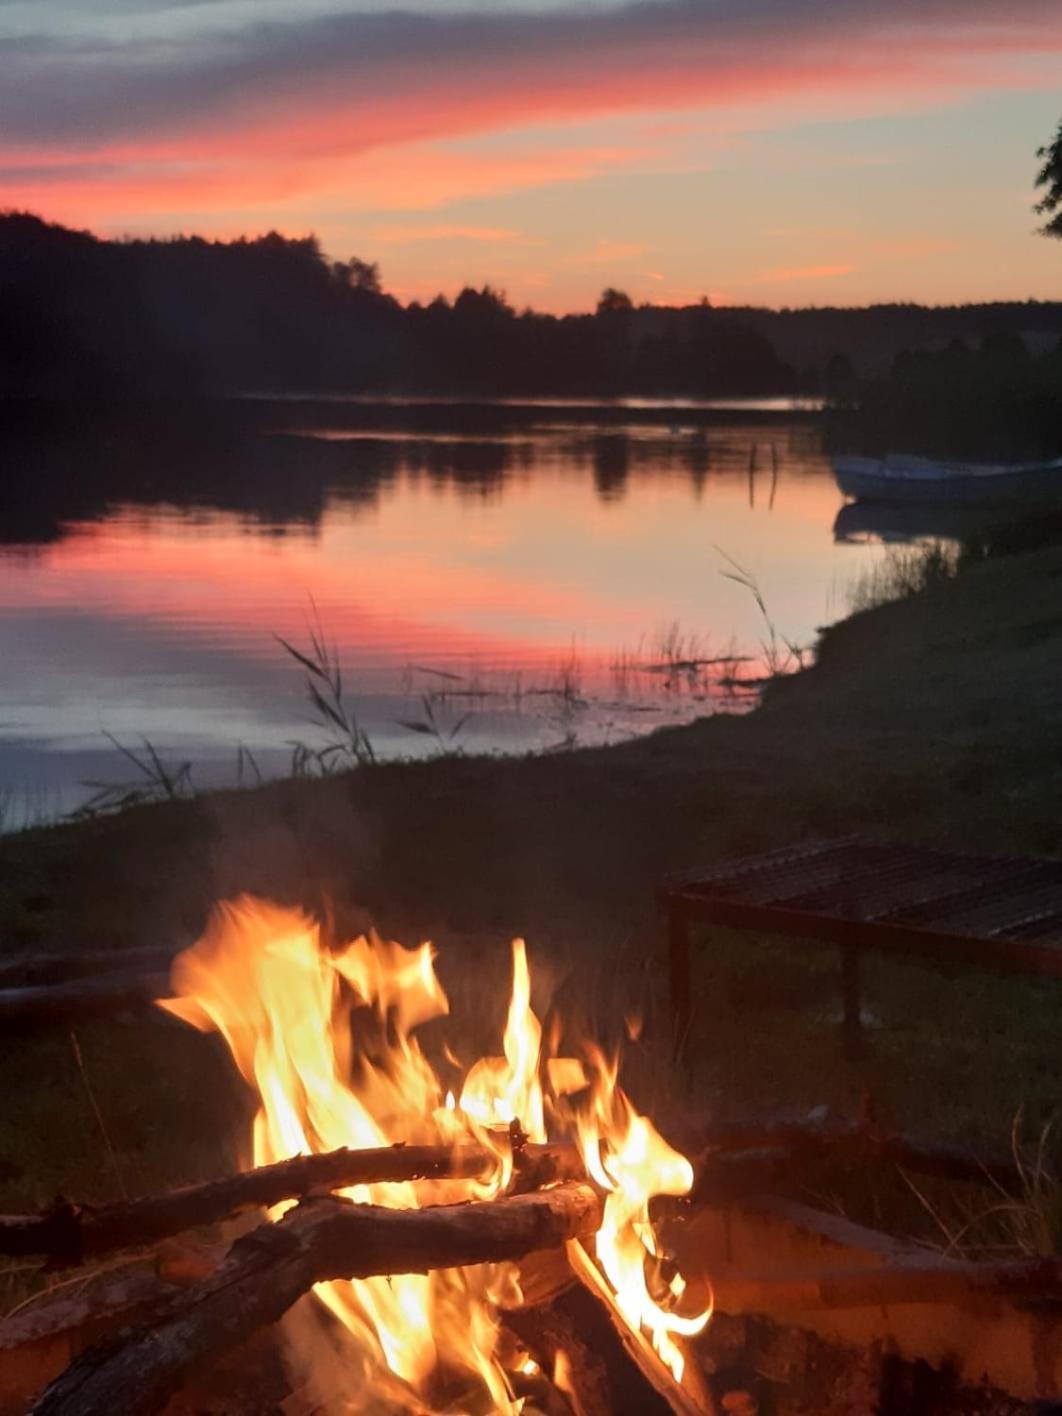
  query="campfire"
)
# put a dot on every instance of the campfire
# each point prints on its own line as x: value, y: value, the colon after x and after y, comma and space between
x: 419, y: 1263
x: 423, y: 1232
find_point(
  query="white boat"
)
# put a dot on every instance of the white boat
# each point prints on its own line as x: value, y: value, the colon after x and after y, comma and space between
x: 924, y: 479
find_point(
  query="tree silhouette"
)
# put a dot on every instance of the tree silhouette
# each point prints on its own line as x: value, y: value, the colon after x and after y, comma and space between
x: 614, y: 302
x: 1050, y: 177
x: 359, y: 275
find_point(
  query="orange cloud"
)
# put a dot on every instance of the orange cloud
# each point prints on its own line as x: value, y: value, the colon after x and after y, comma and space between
x: 608, y: 253
x: 813, y: 272
x: 409, y: 235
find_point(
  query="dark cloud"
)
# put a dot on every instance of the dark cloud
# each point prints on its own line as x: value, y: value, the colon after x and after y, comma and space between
x: 56, y: 92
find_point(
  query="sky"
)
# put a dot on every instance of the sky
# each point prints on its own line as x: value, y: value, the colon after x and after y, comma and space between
x: 773, y: 152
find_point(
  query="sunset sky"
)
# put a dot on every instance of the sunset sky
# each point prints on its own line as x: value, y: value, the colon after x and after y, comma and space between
x: 764, y: 151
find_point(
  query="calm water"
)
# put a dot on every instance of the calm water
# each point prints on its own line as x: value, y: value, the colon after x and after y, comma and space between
x: 534, y: 579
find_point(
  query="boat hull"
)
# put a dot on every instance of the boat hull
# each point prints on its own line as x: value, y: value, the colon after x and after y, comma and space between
x: 918, y: 480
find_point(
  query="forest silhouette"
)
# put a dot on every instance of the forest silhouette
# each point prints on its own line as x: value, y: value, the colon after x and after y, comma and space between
x: 85, y: 317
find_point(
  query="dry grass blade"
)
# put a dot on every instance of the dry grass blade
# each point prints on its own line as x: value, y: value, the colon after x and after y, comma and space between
x: 159, y: 783
x: 347, y: 745
x: 1028, y: 1222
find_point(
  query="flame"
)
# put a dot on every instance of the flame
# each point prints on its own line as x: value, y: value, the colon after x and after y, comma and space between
x: 327, y: 1041
x: 631, y: 1161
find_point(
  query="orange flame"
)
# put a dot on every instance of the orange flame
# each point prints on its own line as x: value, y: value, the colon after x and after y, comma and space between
x: 327, y: 1041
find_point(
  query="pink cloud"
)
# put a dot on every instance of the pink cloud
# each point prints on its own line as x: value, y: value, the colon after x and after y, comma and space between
x: 282, y: 113
x: 421, y: 176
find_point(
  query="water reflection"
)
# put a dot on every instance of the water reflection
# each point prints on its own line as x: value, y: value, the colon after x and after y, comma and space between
x: 904, y: 522
x: 538, y: 576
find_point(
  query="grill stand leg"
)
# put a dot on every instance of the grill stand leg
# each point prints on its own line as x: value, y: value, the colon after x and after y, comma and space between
x: 852, y: 986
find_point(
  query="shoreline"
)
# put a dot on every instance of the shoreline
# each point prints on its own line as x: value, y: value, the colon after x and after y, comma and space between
x: 851, y: 668
x: 933, y: 719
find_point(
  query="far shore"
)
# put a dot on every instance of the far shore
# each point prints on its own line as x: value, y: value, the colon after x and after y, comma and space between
x: 295, y: 411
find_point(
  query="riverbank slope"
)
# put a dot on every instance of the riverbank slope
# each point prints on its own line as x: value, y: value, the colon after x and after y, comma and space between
x: 937, y: 719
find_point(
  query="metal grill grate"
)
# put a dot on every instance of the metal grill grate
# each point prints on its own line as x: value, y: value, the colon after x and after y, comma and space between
x: 934, y: 890
x: 950, y: 908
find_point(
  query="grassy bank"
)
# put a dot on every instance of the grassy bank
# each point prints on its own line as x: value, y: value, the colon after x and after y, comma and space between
x: 937, y: 718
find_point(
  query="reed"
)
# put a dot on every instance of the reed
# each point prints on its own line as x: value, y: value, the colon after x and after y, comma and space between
x: 903, y: 572
x: 346, y: 743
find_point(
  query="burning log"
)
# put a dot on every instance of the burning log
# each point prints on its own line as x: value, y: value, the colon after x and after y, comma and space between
x: 265, y: 1272
x: 68, y: 1234
x: 692, y: 1399
x: 737, y: 1158
x: 573, y: 1338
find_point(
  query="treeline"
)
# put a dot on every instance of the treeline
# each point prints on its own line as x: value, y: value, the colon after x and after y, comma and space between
x: 85, y: 317
x: 996, y: 400
x: 81, y: 316
x: 872, y: 336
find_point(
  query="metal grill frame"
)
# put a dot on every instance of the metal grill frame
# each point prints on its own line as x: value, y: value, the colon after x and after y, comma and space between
x: 953, y: 909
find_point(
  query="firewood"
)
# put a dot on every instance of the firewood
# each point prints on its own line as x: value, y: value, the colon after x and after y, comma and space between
x: 690, y: 1399
x: 42, y: 1336
x: 572, y: 1338
x: 741, y: 1158
x: 70, y: 1233
x: 267, y: 1270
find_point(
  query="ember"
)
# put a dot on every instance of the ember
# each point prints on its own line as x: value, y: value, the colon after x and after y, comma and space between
x: 328, y: 1040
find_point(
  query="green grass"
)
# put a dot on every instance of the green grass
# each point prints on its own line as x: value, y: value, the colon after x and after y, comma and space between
x: 933, y: 1043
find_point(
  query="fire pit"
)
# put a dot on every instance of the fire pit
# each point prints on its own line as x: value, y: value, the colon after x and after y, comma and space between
x: 506, y: 1234
x: 423, y: 1212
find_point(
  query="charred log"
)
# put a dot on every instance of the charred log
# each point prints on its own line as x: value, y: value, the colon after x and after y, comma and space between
x: 68, y: 1234
x: 692, y: 1398
x: 740, y: 1159
x: 269, y: 1269
x: 573, y: 1339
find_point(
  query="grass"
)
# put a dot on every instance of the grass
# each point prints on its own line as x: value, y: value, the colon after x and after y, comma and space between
x: 935, y: 718
x: 1027, y: 1222
x: 429, y: 724
x: 154, y: 781
x: 346, y: 743
x: 904, y: 571
x: 780, y: 654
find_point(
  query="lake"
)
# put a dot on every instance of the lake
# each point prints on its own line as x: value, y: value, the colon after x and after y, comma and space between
x: 514, y: 578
